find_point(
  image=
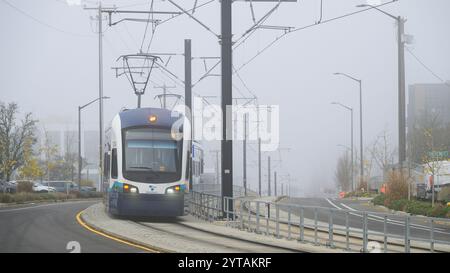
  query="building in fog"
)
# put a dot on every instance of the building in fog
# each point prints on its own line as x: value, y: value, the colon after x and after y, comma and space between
x: 90, y: 147
x: 428, y: 101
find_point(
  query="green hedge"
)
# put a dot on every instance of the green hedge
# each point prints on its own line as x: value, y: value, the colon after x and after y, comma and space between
x: 414, y: 207
x: 22, y: 197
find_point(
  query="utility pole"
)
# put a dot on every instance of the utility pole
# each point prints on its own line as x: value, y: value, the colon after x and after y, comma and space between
x: 245, y: 155
x: 217, y: 167
x: 401, y: 91
x: 259, y: 166
x: 188, y: 98
x: 268, y: 177
x: 100, y: 94
x: 227, y: 97
x: 79, y: 149
x: 275, y: 182
x: 79, y: 138
x: 401, y: 41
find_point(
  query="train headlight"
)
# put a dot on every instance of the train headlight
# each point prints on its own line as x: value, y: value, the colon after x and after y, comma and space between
x: 130, y: 189
x: 152, y: 118
x: 174, y: 189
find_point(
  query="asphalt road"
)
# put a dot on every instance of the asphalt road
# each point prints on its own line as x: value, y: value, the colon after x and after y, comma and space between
x: 395, y: 224
x: 52, y: 228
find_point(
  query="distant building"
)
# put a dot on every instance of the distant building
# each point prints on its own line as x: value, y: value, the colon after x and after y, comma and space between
x: 90, y: 145
x: 70, y: 142
x: 427, y: 101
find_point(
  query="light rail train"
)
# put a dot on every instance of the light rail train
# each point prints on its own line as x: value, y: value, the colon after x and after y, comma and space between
x: 147, y: 163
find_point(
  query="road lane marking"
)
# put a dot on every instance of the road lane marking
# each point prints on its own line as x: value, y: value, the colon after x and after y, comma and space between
x: 334, y: 205
x: 391, y: 221
x: 83, y: 224
x: 347, y: 207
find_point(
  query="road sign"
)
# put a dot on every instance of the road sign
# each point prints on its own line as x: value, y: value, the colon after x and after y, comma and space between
x: 438, y: 154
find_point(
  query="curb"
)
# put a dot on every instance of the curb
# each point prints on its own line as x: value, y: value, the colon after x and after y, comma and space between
x: 136, y: 243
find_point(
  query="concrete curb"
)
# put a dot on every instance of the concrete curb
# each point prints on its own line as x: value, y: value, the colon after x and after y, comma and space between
x: 121, y: 237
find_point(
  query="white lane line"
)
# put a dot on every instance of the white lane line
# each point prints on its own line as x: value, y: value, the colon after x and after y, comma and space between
x: 394, y: 222
x: 347, y: 207
x: 334, y: 205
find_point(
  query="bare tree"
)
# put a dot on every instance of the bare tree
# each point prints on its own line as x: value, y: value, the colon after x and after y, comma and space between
x: 343, y: 174
x: 433, y: 160
x: 381, y: 151
x: 13, y: 138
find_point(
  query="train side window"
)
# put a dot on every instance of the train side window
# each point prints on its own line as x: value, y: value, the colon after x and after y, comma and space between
x: 114, y: 163
x: 106, y: 165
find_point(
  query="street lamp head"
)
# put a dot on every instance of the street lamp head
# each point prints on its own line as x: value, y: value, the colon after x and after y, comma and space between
x: 363, y: 6
x: 106, y: 97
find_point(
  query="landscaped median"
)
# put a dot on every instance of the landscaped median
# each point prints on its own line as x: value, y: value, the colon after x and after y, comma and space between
x: 413, y: 206
x: 27, y: 197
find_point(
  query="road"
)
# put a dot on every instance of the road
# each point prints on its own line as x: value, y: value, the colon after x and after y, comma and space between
x: 395, y: 226
x: 49, y: 228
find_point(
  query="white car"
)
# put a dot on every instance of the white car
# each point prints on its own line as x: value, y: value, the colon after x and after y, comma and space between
x: 37, y: 187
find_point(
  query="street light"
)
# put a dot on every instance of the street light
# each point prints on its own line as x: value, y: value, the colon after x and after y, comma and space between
x: 401, y: 81
x: 351, y: 135
x: 79, y: 137
x: 360, y: 124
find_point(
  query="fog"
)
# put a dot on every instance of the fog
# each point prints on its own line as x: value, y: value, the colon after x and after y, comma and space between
x: 49, y: 55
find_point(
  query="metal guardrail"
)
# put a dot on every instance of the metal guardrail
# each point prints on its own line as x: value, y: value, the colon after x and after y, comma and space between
x: 324, y: 226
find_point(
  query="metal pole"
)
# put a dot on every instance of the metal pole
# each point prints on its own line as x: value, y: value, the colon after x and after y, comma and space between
x: 226, y: 61
x: 79, y: 149
x: 259, y: 166
x: 269, y: 193
x: 361, y: 135
x: 188, y: 100
x: 275, y: 183
x: 401, y: 91
x: 164, y: 96
x: 352, y: 169
x: 139, y: 100
x: 217, y: 168
x: 100, y: 95
x: 245, y: 155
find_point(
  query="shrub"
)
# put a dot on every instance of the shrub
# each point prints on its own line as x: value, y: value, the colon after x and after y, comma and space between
x: 418, y: 207
x: 379, y: 200
x: 397, y: 185
x: 399, y: 204
x: 27, y: 196
x: 439, y: 211
x: 24, y: 186
x: 444, y: 194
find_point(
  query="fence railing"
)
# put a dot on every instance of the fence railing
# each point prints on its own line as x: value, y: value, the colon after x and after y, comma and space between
x: 351, y: 230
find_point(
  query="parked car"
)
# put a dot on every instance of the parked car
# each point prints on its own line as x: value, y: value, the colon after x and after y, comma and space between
x: 62, y: 186
x: 38, y: 187
x: 8, y: 186
x: 88, y: 189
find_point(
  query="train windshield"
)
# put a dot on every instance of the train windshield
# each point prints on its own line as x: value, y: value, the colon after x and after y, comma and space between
x: 151, y: 155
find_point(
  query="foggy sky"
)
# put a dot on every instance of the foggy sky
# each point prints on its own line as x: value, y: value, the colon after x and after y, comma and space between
x: 50, y: 73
